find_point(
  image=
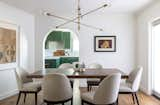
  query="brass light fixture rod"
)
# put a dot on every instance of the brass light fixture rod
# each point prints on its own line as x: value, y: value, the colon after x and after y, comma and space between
x: 89, y: 12
x: 66, y: 19
x: 79, y: 14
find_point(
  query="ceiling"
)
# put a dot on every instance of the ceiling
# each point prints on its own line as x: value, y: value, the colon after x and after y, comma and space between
x: 69, y: 6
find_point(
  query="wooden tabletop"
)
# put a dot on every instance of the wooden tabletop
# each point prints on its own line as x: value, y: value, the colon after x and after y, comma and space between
x: 72, y: 73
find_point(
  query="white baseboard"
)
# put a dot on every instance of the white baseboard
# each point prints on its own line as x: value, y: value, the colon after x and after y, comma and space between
x: 8, y: 94
x: 145, y: 90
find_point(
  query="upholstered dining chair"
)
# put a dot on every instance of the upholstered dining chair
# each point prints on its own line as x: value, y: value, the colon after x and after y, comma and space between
x: 26, y: 85
x: 106, y: 93
x: 93, y: 81
x: 131, y: 86
x: 56, y: 89
x: 67, y: 66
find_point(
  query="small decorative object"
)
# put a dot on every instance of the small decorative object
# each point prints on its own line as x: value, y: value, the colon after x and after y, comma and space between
x: 83, y: 65
x: 105, y: 43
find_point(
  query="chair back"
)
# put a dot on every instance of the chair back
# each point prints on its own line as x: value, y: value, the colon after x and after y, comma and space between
x: 95, y: 66
x: 18, y: 80
x: 21, y: 77
x: 66, y: 66
x: 107, y: 92
x: 135, y: 78
x: 56, y: 87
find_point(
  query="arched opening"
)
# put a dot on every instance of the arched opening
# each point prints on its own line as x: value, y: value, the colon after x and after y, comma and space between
x: 60, y: 46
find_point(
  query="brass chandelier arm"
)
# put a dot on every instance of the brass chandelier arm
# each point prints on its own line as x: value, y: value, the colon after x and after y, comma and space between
x: 62, y: 18
x: 82, y: 15
x: 79, y: 14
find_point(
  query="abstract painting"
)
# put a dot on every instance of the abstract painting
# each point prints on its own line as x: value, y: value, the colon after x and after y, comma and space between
x: 105, y: 43
x: 7, y: 45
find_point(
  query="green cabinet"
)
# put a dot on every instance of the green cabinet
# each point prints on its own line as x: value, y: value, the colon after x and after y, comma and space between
x: 68, y: 59
x: 64, y: 37
x: 52, y: 63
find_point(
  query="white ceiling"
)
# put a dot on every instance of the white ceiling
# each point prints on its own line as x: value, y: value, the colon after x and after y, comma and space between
x: 69, y: 6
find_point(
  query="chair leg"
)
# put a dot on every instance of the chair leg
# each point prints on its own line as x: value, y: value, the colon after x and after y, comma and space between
x: 19, y: 95
x: 137, y: 98
x: 24, y: 97
x: 88, y: 87
x: 63, y: 103
x: 35, y: 98
x: 133, y: 98
x: 72, y: 101
x: 117, y: 100
x: 82, y: 103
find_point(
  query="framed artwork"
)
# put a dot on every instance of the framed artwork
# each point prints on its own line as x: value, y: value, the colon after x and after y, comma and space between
x: 105, y: 43
x: 8, y: 43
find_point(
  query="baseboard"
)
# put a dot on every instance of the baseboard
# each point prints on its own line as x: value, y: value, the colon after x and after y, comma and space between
x: 8, y: 94
x: 145, y: 90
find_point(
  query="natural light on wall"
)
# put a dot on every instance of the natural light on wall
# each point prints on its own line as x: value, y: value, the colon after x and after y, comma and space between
x: 156, y: 59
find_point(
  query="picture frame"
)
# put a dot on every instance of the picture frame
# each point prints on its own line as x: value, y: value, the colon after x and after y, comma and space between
x: 105, y: 43
x: 9, y: 45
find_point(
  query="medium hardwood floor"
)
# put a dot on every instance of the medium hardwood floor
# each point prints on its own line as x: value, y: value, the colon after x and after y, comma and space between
x: 123, y: 99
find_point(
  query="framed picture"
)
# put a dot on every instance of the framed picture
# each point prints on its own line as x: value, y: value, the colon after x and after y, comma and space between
x: 105, y: 43
x: 9, y: 45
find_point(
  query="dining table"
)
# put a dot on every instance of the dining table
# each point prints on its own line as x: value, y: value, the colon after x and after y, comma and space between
x: 78, y: 73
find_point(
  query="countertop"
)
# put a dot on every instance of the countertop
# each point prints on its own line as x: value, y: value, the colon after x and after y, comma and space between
x: 57, y: 57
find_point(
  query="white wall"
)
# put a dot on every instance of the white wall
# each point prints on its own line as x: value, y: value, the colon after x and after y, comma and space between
x: 25, y: 21
x: 121, y: 25
x: 144, y: 18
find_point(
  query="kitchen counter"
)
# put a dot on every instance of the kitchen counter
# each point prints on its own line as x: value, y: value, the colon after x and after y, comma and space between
x: 55, y: 61
x: 57, y: 57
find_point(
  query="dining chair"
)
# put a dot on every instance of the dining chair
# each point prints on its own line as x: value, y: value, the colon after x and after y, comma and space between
x: 26, y: 85
x: 131, y: 86
x: 93, y: 81
x: 67, y: 66
x: 106, y: 93
x: 56, y: 89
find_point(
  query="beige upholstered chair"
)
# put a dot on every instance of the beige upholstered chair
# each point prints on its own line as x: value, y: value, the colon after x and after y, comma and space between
x: 131, y: 86
x: 56, y: 89
x: 107, y: 92
x: 26, y: 85
x: 93, y: 81
x: 67, y: 66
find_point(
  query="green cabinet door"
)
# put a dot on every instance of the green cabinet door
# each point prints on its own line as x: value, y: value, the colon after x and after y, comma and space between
x: 52, y: 63
x: 66, y: 39
x: 68, y: 59
x: 58, y: 35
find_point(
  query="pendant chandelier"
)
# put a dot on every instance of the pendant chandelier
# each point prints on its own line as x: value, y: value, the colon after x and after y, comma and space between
x: 77, y: 19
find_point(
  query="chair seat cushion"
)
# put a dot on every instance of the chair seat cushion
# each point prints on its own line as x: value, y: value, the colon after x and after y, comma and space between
x: 31, y: 87
x: 125, y: 87
x: 88, y: 96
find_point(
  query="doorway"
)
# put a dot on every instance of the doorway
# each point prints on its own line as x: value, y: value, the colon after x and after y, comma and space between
x: 60, y: 46
x: 156, y: 58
